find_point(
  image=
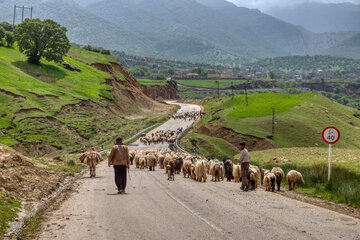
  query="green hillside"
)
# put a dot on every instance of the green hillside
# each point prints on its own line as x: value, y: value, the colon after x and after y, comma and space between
x: 47, y: 108
x: 299, y: 120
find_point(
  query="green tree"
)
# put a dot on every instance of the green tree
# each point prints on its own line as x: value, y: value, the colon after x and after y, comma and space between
x: 37, y: 39
x: 2, y: 33
x: 272, y: 75
x: 9, y: 38
x: 7, y: 26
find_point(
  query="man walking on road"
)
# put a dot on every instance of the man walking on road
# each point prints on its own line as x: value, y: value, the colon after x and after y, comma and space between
x: 245, y: 163
x: 120, y: 159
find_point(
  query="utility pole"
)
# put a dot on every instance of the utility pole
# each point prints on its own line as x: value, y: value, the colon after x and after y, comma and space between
x: 23, y: 8
x: 273, y: 123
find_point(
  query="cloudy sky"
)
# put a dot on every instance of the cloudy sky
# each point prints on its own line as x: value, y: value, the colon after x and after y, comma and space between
x: 268, y: 4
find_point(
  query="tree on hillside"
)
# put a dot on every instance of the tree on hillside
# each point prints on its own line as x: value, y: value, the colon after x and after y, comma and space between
x: 199, y: 70
x: 9, y: 38
x: 272, y: 75
x: 7, y: 26
x: 2, y: 33
x: 39, y: 39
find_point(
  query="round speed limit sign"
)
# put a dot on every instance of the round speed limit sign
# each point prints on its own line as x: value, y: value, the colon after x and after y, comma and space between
x: 331, y: 135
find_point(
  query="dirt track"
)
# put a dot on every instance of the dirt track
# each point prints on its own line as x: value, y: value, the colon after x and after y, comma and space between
x: 155, y: 208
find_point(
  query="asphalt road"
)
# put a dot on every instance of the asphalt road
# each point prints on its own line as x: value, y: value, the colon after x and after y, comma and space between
x: 155, y: 208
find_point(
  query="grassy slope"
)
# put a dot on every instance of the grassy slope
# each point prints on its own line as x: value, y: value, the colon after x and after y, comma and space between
x: 49, y: 87
x: 299, y: 118
x: 8, y: 211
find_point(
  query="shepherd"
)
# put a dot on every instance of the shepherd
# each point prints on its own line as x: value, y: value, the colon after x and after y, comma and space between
x: 120, y: 159
x: 245, y: 164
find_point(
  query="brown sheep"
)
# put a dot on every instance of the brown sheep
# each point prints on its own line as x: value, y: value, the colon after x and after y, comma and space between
x: 200, y: 171
x: 151, y: 161
x: 253, y: 177
x: 263, y: 173
x: 187, y: 168
x: 215, y: 172
x: 142, y: 162
x: 170, y: 172
x: 193, y: 174
x: 279, y: 173
x: 237, y: 172
x: 161, y: 159
x: 294, y: 177
x: 269, y: 181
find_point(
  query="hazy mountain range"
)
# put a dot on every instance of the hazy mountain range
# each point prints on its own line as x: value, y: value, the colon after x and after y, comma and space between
x: 320, y: 17
x: 211, y: 31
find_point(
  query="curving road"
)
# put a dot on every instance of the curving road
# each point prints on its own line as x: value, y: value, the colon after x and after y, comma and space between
x: 155, y: 208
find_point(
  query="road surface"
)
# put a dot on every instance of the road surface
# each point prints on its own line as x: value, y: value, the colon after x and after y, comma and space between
x: 155, y: 208
x: 172, y: 124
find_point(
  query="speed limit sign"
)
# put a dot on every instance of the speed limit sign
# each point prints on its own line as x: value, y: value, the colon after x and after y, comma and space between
x: 330, y: 135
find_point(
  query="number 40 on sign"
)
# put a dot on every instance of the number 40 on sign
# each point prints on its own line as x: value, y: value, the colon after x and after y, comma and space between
x: 330, y: 135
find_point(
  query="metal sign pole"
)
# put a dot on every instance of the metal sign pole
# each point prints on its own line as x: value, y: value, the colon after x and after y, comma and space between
x: 329, y: 170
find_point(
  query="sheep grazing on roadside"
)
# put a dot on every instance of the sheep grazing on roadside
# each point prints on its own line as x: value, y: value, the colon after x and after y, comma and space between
x: 200, y: 171
x: 237, y: 172
x: 269, y: 181
x: 187, y: 168
x: 170, y: 171
x: 279, y: 173
x: 92, y: 159
x: 228, y: 170
x: 263, y: 173
x: 151, y: 161
x: 215, y: 172
x: 294, y: 177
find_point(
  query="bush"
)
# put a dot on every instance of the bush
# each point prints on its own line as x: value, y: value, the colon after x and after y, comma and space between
x: 105, y: 52
x: 9, y: 38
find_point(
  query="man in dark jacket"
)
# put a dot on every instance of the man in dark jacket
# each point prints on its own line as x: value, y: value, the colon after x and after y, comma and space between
x: 120, y: 159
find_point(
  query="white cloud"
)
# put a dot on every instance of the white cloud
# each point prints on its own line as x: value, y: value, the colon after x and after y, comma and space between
x: 267, y: 4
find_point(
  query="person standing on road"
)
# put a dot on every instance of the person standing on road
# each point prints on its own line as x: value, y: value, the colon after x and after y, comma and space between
x: 120, y: 159
x: 245, y: 164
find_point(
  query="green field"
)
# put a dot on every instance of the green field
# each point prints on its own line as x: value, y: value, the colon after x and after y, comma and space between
x: 223, y: 83
x: 150, y: 82
x: 299, y: 118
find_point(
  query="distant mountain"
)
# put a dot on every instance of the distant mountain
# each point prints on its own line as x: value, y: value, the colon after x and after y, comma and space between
x: 294, y: 40
x: 83, y: 26
x: 206, y: 31
x: 321, y: 17
x: 179, y: 27
x: 347, y: 48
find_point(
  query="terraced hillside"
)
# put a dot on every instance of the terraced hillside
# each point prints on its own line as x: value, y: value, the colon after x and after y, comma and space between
x: 48, y: 108
x: 299, y: 120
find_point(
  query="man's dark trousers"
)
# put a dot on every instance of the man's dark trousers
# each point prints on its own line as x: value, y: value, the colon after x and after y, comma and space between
x: 120, y: 177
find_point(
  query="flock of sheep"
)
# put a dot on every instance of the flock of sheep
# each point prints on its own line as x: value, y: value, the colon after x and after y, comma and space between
x: 187, y: 116
x: 161, y: 137
x: 198, y: 169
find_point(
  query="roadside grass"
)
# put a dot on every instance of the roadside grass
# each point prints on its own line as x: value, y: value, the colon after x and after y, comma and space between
x: 9, y: 208
x: 31, y: 227
x: 211, y: 147
x: 150, y: 82
x: 299, y: 118
x: 344, y: 186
